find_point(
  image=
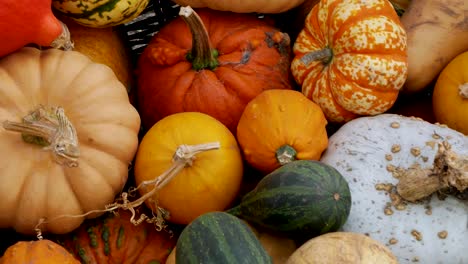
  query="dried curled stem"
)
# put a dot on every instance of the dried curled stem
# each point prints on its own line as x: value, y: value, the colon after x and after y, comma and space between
x: 51, y: 128
x: 184, y: 156
x: 450, y: 171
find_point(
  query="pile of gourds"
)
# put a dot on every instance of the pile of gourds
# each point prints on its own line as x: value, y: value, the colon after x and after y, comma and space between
x: 322, y: 131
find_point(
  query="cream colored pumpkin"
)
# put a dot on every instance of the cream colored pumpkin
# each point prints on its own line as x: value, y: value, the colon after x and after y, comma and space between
x: 84, y: 113
x: 243, y: 6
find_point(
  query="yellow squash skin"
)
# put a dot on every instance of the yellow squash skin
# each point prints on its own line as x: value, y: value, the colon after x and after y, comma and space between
x: 450, y: 96
x: 33, y: 183
x: 350, y: 58
x: 100, y: 13
x: 210, y: 183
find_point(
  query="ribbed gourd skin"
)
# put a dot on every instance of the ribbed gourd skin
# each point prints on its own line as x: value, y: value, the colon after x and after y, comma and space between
x: 302, y: 199
x: 218, y: 237
x: 100, y: 13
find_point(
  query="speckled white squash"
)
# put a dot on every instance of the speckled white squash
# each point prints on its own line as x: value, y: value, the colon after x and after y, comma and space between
x: 370, y: 153
x: 350, y: 57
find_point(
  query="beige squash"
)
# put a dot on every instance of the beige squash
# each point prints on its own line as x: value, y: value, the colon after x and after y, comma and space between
x: 69, y: 134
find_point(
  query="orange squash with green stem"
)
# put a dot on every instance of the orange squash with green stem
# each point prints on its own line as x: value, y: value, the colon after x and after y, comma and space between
x: 280, y: 126
x: 350, y: 58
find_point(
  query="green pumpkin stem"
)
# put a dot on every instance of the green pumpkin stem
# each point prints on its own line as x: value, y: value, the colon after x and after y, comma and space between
x: 324, y: 55
x: 202, y: 56
x: 285, y: 154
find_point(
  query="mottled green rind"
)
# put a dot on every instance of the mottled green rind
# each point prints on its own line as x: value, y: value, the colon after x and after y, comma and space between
x: 298, y: 199
x: 219, y: 237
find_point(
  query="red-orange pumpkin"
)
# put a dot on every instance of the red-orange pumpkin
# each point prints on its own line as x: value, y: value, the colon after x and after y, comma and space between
x: 29, y: 21
x: 232, y: 58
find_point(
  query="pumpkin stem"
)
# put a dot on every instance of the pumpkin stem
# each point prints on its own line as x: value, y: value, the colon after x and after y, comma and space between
x: 202, y: 56
x: 285, y: 154
x: 450, y: 173
x: 324, y: 55
x: 49, y: 127
x: 64, y: 40
x: 183, y: 157
x: 463, y: 90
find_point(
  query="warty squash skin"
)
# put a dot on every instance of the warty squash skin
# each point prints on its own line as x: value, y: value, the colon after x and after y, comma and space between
x: 350, y: 58
x: 235, y: 58
x: 69, y: 134
x: 375, y: 154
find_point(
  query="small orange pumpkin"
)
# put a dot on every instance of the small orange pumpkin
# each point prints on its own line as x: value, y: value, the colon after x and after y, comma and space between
x: 279, y: 126
x: 37, y: 252
x: 350, y: 58
x: 450, y: 97
x: 194, y: 163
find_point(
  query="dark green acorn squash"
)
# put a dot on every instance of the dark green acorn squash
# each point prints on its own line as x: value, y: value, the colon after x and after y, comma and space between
x: 219, y: 237
x: 301, y: 199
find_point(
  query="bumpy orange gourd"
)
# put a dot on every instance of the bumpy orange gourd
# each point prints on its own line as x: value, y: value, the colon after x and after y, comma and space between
x: 29, y: 21
x: 68, y: 136
x: 194, y: 161
x: 280, y: 126
x: 350, y: 58
x: 112, y: 238
x: 450, y: 97
x: 233, y: 57
x: 37, y: 252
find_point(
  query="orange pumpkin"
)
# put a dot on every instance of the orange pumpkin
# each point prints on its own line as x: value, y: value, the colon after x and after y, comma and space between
x: 450, y: 97
x: 37, y: 252
x: 194, y: 163
x: 215, y: 64
x: 114, y: 239
x: 350, y: 58
x: 30, y: 21
x: 280, y: 126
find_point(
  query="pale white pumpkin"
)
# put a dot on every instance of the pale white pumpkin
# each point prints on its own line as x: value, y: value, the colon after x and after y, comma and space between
x: 369, y: 152
x: 89, y: 136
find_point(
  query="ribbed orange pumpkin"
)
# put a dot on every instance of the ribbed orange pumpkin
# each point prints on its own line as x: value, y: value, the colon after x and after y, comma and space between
x: 233, y: 57
x: 350, y: 58
x: 280, y: 126
x: 37, y: 252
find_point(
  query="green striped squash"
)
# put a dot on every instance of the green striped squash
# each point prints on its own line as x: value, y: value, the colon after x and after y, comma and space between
x: 218, y: 237
x: 302, y: 199
x: 100, y: 13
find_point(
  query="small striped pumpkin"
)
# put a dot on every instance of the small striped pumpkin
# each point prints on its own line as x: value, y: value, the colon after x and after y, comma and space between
x: 100, y: 13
